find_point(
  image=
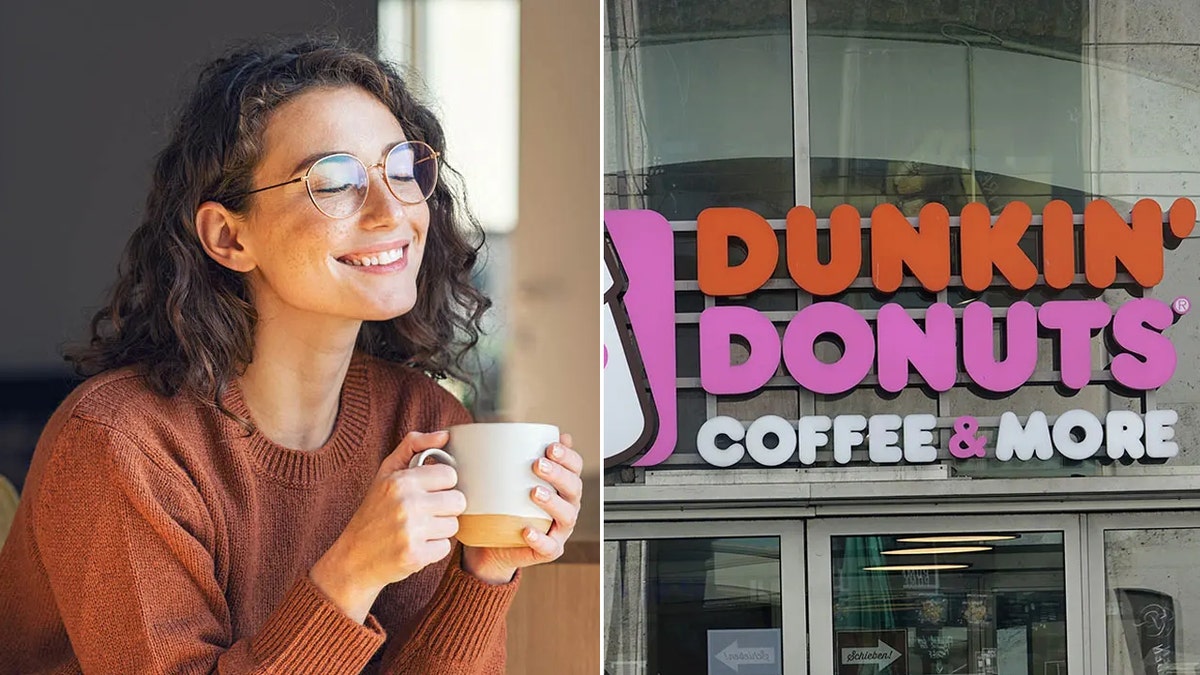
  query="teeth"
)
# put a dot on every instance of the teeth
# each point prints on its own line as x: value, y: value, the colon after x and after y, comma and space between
x: 384, y: 258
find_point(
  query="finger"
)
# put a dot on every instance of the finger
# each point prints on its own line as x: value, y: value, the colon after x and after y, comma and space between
x: 567, y: 440
x: 564, y: 455
x: 546, y: 547
x: 434, y: 477
x: 564, y: 513
x: 567, y: 484
x: 442, y: 527
x: 414, y: 442
x: 436, y: 549
x: 446, y: 503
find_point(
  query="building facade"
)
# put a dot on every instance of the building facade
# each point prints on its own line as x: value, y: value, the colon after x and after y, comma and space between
x: 817, y: 214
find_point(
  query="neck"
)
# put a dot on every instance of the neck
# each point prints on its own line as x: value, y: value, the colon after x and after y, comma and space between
x: 293, y: 385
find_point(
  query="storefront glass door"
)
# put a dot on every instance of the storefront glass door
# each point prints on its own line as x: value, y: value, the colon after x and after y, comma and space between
x: 918, y: 596
x: 718, y: 597
x: 1145, y: 613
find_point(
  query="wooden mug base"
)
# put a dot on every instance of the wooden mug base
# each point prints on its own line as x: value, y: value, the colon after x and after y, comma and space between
x: 497, y: 531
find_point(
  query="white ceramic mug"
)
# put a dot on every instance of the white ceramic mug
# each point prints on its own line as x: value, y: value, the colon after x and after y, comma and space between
x: 494, y: 462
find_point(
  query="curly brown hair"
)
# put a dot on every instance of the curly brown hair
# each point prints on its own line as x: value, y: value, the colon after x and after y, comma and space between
x: 188, y: 321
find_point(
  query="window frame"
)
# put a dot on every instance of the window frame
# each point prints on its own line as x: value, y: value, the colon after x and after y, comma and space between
x: 792, y: 568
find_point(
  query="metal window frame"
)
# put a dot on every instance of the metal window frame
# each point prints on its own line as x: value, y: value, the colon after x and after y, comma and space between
x: 793, y: 567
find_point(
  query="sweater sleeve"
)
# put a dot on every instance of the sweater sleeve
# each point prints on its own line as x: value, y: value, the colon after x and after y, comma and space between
x: 461, y: 630
x: 126, y: 542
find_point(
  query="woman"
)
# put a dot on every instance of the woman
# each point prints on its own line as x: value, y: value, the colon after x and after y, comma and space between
x: 231, y: 493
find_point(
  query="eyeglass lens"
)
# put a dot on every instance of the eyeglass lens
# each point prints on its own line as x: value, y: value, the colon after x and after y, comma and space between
x: 338, y: 183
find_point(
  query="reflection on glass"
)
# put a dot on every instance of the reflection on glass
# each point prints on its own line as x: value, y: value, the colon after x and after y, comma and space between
x: 698, y: 106
x: 1150, y: 581
x: 991, y: 609
x: 667, y: 601
x: 928, y: 105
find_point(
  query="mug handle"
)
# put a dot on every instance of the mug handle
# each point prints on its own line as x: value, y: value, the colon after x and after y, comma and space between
x: 440, y: 455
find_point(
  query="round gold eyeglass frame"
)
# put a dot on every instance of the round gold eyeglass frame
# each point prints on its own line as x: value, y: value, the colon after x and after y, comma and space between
x: 433, y: 157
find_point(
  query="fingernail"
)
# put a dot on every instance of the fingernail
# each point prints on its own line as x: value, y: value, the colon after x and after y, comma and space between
x: 556, y: 451
x: 541, y: 494
x: 532, y: 535
x: 544, y: 465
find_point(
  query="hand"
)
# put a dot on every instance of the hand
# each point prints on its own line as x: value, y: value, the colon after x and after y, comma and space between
x: 403, y: 524
x: 561, y: 468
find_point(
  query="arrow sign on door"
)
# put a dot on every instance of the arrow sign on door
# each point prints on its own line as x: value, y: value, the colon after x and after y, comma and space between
x: 880, y: 656
x: 745, y: 651
x: 735, y: 656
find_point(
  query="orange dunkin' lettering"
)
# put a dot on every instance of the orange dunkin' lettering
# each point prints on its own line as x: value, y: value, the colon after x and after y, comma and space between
x: 1107, y: 238
x: 1182, y: 217
x: 896, y: 244
x: 924, y: 250
x: 985, y: 245
x: 845, y: 250
x: 717, y: 277
x: 1058, y: 244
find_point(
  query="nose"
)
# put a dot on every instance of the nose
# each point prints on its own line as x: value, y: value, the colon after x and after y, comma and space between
x: 382, y: 210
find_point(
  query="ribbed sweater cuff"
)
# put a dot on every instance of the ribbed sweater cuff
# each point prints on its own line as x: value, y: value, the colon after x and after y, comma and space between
x: 462, y: 621
x: 308, y: 634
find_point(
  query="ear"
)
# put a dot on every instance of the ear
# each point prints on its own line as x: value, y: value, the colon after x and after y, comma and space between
x: 219, y: 231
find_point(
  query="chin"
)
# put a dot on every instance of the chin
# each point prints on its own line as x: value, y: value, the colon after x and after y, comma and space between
x: 387, y: 313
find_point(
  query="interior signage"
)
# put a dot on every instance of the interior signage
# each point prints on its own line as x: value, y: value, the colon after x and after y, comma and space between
x: 900, y: 345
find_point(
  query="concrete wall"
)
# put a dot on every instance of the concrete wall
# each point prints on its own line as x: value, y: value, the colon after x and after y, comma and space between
x: 1147, y: 144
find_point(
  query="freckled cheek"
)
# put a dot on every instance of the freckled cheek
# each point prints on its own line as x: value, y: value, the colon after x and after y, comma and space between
x: 306, y: 249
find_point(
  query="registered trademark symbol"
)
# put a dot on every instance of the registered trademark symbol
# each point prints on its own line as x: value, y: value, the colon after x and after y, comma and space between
x: 1181, y: 305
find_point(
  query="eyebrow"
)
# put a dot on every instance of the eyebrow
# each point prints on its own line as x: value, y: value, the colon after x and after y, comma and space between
x: 303, y: 164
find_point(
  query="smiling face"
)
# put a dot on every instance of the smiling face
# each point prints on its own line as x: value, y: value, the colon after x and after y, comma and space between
x: 298, y: 260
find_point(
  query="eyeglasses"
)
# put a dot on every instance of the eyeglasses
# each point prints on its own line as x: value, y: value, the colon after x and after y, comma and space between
x: 338, y: 183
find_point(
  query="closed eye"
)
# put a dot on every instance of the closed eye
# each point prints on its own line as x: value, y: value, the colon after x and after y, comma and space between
x: 333, y: 189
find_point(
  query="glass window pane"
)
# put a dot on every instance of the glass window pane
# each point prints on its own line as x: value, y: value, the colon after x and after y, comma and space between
x: 693, y: 412
x: 685, y: 255
x: 698, y: 106
x: 688, y: 301
x: 964, y: 603
x: 669, y: 597
x: 1150, y: 582
x: 910, y: 104
x: 687, y: 346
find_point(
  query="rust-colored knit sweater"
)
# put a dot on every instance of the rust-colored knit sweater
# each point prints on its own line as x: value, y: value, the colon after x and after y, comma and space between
x: 155, y: 536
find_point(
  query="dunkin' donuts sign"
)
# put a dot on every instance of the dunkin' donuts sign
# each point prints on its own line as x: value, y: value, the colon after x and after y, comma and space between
x: 639, y: 339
